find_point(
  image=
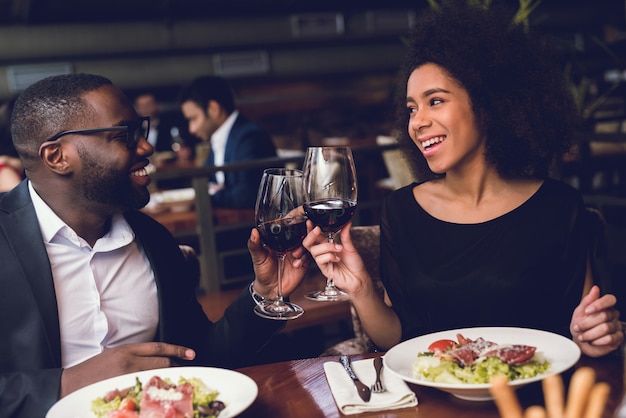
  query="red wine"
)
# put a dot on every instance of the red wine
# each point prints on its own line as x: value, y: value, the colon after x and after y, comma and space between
x: 330, y: 214
x: 282, y: 235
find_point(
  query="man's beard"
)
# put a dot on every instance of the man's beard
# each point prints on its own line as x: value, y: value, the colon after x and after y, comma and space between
x: 106, y: 186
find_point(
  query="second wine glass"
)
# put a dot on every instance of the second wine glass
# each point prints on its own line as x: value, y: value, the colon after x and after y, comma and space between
x: 330, y: 185
x: 282, y: 226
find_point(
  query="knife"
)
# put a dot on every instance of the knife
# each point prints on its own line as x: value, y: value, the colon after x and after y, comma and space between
x: 362, y: 390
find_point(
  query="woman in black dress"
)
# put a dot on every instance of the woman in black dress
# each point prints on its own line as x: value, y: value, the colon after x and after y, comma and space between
x: 486, y: 238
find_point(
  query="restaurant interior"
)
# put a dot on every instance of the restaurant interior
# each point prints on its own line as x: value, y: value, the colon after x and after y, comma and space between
x: 310, y: 73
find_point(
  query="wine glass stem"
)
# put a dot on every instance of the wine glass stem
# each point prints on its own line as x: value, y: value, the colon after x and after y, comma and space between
x: 281, y: 268
x: 330, y: 283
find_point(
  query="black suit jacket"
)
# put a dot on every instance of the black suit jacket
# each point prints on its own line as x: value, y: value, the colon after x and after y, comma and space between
x: 246, y: 141
x: 30, y: 351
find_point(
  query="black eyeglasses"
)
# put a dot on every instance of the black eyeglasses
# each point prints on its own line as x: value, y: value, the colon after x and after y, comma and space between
x: 134, y: 131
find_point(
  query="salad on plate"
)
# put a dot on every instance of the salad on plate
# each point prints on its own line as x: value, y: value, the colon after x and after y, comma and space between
x: 187, y: 398
x: 468, y: 361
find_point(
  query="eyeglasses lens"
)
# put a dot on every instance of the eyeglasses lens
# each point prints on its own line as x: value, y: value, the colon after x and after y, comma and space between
x: 137, y: 130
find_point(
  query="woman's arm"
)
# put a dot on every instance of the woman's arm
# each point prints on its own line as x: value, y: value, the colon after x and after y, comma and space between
x: 342, y: 260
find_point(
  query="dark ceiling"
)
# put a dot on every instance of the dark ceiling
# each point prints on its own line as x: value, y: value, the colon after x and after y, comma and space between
x: 70, y: 11
x: 36, y: 12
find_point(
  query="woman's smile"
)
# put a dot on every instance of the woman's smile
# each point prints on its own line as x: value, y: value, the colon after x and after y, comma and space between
x: 441, y: 121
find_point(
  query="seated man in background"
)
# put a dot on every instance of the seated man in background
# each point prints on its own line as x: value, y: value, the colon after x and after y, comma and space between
x: 209, y: 107
x: 161, y: 136
x: 168, y: 136
x: 90, y: 287
x: 167, y: 128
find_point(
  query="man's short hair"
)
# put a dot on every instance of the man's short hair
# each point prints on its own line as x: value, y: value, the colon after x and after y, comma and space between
x: 204, y: 89
x: 47, y: 107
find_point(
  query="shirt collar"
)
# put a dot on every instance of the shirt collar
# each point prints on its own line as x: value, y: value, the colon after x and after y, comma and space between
x: 220, y: 136
x: 52, y: 226
x: 49, y: 223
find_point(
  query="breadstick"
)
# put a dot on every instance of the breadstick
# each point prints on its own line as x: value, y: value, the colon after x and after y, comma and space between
x: 553, y: 395
x: 579, y: 388
x: 597, y: 400
x: 535, y: 411
x: 505, y: 398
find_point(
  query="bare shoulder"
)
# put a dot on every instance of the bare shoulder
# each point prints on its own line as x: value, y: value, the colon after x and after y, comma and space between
x: 449, y: 205
x: 435, y: 198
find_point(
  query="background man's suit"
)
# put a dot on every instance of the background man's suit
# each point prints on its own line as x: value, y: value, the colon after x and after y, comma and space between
x: 246, y: 141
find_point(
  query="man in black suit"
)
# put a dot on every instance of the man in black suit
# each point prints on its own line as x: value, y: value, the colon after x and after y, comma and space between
x: 167, y: 128
x: 160, y: 136
x: 90, y: 287
x: 208, y: 105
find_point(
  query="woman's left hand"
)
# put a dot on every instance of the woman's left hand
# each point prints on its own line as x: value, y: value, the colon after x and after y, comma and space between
x: 595, y: 324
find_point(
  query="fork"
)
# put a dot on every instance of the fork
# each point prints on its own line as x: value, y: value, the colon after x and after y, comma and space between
x: 378, y: 387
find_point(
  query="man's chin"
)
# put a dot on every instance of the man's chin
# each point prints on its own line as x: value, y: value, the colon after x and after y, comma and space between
x: 135, y: 202
x: 142, y: 202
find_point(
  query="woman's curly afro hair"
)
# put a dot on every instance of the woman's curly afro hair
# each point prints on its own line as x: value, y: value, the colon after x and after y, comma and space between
x: 515, y: 83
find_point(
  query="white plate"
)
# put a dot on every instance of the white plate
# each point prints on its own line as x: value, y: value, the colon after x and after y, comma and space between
x: 236, y: 390
x: 561, y: 352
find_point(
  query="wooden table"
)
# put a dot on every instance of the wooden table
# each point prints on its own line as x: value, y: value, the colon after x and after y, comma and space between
x: 315, y: 313
x: 299, y: 389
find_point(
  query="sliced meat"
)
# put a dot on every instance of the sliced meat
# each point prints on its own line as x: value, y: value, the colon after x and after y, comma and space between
x: 115, y: 393
x: 463, y: 356
x: 479, y: 345
x: 163, y: 400
x: 515, y: 355
x: 469, y: 350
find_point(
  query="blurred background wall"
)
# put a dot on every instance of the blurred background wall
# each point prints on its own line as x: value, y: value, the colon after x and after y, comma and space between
x: 285, y: 58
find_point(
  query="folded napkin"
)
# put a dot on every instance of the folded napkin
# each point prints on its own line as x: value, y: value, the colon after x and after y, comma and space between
x: 397, y: 394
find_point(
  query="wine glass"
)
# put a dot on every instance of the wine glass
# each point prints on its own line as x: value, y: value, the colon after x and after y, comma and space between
x: 330, y: 200
x: 282, y: 227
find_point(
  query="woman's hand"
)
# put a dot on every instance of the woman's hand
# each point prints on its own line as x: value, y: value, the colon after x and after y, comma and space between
x: 339, y: 260
x: 348, y: 271
x: 595, y: 324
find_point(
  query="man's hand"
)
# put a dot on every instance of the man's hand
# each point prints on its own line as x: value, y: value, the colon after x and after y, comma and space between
x: 595, y: 324
x: 120, y: 360
x: 266, y: 267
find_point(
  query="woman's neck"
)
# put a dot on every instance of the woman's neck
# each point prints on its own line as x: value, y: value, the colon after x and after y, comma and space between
x: 474, y: 198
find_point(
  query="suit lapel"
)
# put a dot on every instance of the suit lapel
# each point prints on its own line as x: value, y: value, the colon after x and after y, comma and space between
x: 154, y: 258
x: 21, y: 227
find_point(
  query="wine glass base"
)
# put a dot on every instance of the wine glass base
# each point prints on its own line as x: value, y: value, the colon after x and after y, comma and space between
x: 327, y: 295
x: 283, y: 311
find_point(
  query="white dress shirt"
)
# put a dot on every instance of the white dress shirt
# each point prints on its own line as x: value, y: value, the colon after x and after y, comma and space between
x: 218, y: 143
x: 106, y: 295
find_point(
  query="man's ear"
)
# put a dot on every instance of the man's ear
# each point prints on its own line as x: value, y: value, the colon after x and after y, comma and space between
x: 213, y: 109
x: 53, y: 156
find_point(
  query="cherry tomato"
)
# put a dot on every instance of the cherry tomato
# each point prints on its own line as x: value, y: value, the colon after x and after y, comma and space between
x: 128, y: 404
x: 122, y: 413
x: 442, y: 345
